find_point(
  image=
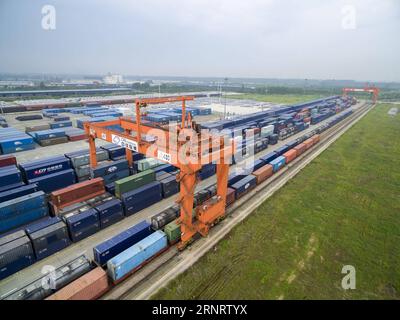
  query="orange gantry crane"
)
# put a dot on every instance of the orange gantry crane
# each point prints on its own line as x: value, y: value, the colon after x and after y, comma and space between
x: 180, y: 144
x: 372, y: 89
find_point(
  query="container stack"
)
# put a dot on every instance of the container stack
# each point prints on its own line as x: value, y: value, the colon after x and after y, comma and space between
x: 80, y: 122
x: 75, y: 134
x: 80, y: 162
x: 49, y: 174
x: 110, y: 170
x: 160, y: 220
x: 207, y: 171
x: 115, y: 152
x: 86, y: 208
x: 169, y: 184
x: 49, y: 137
x: 40, y: 127
x: 10, y: 176
x: 77, y: 193
x: 108, y: 249
x: 138, y: 191
x: 142, y: 197
x: 24, y: 209
x: 16, y: 253
x: 106, y: 114
x: 12, y: 140
x: 146, y: 164
x: 48, y: 236
x: 60, y: 124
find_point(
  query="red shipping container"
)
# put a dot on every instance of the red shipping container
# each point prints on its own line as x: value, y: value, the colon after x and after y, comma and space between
x: 290, y: 155
x: 307, y: 119
x: 300, y: 148
x: 77, y: 192
x: 7, y: 160
x: 230, y: 196
x: 90, y: 286
x: 263, y: 173
x: 309, y: 143
x: 77, y: 137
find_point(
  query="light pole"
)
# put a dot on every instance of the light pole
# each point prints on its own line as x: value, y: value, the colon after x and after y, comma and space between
x: 226, y: 82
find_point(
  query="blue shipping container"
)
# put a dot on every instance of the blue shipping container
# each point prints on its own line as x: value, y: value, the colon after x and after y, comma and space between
x: 133, y: 257
x: 15, y: 256
x: 110, y: 178
x: 55, y: 181
x: 48, y: 134
x: 109, y: 167
x: 269, y: 157
x: 142, y: 197
x: 278, y: 163
x: 110, y: 212
x: 40, y: 168
x: 244, y: 185
x: 50, y: 240
x: 17, y: 192
x: 9, y: 175
x: 61, y: 124
x: 281, y: 150
x: 83, y: 225
x: 21, y: 219
x: 111, y: 247
x: 21, y: 204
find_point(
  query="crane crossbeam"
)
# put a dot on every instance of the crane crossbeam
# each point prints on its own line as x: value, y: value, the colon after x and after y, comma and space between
x: 180, y: 145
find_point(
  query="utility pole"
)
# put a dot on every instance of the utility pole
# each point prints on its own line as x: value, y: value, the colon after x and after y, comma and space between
x: 226, y: 82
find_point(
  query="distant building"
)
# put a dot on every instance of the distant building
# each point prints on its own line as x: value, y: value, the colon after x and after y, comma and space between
x: 113, y: 79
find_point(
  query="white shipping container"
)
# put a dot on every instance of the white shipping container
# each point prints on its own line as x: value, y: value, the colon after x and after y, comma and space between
x: 267, y: 131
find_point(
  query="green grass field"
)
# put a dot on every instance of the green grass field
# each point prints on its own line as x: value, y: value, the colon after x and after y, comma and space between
x: 342, y: 209
x: 277, y: 98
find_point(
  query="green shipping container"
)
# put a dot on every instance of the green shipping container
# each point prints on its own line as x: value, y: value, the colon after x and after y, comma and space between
x: 133, y: 182
x: 146, y: 164
x: 173, y: 231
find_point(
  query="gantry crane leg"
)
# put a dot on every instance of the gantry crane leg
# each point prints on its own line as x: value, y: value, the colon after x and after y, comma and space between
x: 213, y: 210
x: 187, y: 188
x: 128, y: 152
x: 92, y: 150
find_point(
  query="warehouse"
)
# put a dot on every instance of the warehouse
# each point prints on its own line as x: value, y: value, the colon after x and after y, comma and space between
x: 61, y: 92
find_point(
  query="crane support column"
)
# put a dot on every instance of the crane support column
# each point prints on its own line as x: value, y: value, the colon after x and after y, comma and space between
x: 183, y: 114
x: 187, y: 188
x: 222, y: 180
x: 92, y: 154
x: 128, y: 152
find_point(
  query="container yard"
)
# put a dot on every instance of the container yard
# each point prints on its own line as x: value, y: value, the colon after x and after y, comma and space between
x: 122, y: 216
x: 206, y: 156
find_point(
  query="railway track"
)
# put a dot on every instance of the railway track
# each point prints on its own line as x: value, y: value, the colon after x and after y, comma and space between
x: 160, y: 272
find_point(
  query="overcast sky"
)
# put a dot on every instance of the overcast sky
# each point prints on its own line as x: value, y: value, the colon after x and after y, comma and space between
x: 316, y: 39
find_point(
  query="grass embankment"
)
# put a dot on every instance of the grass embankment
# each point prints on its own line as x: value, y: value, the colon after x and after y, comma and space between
x: 342, y: 209
x: 277, y: 98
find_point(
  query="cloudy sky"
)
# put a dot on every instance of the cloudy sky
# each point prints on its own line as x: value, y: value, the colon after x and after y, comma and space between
x: 335, y: 39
